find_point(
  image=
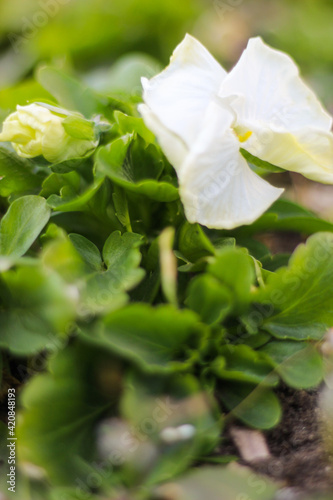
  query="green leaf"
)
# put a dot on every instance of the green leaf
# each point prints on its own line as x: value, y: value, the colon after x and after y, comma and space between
x: 168, y: 265
x: 117, y: 247
x: 60, y: 255
x: 88, y: 251
x: 62, y: 441
x: 18, y: 175
x: 243, y: 364
x: 256, y: 406
x: 129, y: 124
x: 235, y: 270
x: 125, y: 75
x: 36, y: 310
x: 256, y: 248
x: 70, y: 93
x: 79, y: 128
x: 22, y: 93
x: 297, y: 302
x: 121, y: 207
x: 54, y: 183
x: 209, y: 298
x: 135, y: 167
x: 157, y: 339
x: 193, y: 243
x: 285, y: 215
x: 21, y: 225
x: 78, y: 163
x: 210, y: 481
x: 147, y: 290
x: 257, y: 340
x: 70, y: 201
x: 260, y: 165
x: 299, y: 364
x: 274, y: 262
x: 105, y: 290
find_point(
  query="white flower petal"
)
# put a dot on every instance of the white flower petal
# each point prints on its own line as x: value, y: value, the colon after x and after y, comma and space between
x: 173, y: 147
x: 36, y: 116
x: 217, y: 187
x: 272, y: 92
x: 179, y: 96
x: 14, y: 131
x: 307, y: 151
x: 30, y: 149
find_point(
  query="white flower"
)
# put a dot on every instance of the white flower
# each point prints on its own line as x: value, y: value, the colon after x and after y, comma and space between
x: 35, y: 130
x: 202, y: 117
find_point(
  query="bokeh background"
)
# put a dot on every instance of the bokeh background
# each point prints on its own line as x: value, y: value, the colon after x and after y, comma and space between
x: 93, y: 33
x: 93, y: 38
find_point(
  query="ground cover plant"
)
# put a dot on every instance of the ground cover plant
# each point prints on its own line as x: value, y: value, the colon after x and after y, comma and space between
x: 133, y: 333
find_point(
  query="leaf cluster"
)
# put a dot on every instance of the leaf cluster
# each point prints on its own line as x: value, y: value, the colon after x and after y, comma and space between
x: 133, y: 334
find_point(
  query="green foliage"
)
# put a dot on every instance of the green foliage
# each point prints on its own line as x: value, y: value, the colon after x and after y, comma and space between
x: 257, y: 406
x: 135, y: 167
x: 209, y: 298
x: 19, y: 176
x: 243, y: 364
x: 163, y: 338
x: 235, y: 270
x: 51, y: 438
x: 36, y: 309
x: 21, y: 225
x: 260, y: 166
x: 285, y: 215
x: 208, y: 482
x: 88, y: 251
x: 300, y: 295
x: 103, y: 285
x: 193, y: 243
x: 69, y: 92
x: 152, y: 331
x: 299, y: 364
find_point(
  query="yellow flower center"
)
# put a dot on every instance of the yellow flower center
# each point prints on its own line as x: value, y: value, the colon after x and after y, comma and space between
x: 244, y: 137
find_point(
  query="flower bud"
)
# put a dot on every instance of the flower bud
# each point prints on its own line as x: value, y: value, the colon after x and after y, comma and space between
x: 35, y: 130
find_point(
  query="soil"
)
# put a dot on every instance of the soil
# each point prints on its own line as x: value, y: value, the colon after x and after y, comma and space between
x: 298, y: 458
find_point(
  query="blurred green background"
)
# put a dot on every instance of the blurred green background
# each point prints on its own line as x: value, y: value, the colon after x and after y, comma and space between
x: 91, y: 34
